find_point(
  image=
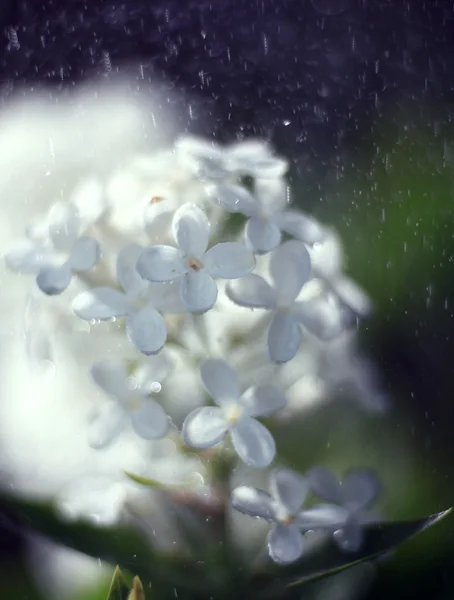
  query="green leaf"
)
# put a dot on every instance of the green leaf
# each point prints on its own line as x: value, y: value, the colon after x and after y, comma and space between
x: 327, y: 559
x: 125, y: 546
x: 119, y: 590
x: 145, y: 481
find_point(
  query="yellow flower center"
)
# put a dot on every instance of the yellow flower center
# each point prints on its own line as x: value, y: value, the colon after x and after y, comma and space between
x: 233, y: 414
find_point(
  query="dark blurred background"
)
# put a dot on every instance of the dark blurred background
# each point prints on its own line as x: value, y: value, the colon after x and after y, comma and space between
x: 359, y: 93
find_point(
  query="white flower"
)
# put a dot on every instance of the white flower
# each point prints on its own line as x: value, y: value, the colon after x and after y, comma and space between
x: 145, y: 326
x: 97, y: 497
x: 283, y: 508
x: 55, y: 253
x: 215, y: 163
x: 130, y: 401
x: 327, y: 259
x: 235, y: 413
x: 267, y: 215
x: 289, y: 269
x: 346, y: 514
x: 191, y: 263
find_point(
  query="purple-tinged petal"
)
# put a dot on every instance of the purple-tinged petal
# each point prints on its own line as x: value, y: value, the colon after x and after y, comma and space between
x: 204, y: 427
x: 229, y: 260
x: 253, y: 442
x: 161, y: 263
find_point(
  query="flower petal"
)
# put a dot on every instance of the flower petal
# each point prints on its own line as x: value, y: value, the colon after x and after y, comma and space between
x: 290, y: 266
x: 100, y: 303
x: 321, y: 316
x: 126, y: 271
x: 106, y: 425
x: 229, y: 260
x: 325, y: 485
x: 25, y: 256
x: 54, y: 280
x: 220, y: 381
x: 251, y: 150
x: 199, y: 291
x: 209, y: 155
x: 328, y: 517
x: 152, y: 370
x: 261, y: 400
x: 147, y: 330
x: 272, y: 194
x: 254, y: 502
x: 191, y: 230
x: 285, y: 543
x: 253, y: 442
x: 284, y: 337
x: 112, y: 377
x: 236, y: 199
x: 359, y: 488
x: 300, y: 226
x: 352, y: 296
x: 64, y: 225
x: 262, y: 234
x: 251, y: 291
x: 149, y: 421
x: 158, y: 220
x: 204, y: 427
x: 161, y: 263
x: 85, y: 254
x: 288, y: 488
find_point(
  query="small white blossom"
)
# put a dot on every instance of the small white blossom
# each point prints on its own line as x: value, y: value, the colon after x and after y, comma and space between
x: 145, y: 326
x: 191, y: 263
x: 289, y: 269
x: 349, y: 498
x: 131, y: 401
x: 235, y: 413
x: 268, y: 214
x: 216, y: 163
x: 283, y: 508
x: 55, y: 253
x: 327, y: 259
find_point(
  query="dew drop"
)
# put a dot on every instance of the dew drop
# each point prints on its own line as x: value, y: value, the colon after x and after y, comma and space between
x: 155, y: 387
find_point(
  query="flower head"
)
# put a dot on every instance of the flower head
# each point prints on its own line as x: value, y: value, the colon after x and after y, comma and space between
x: 268, y: 215
x: 191, y: 263
x: 289, y: 269
x: 55, y: 250
x: 130, y: 400
x: 136, y: 301
x: 349, y: 498
x: 234, y: 413
x: 283, y: 508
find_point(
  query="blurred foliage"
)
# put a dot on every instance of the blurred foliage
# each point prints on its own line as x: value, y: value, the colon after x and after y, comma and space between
x: 194, y: 575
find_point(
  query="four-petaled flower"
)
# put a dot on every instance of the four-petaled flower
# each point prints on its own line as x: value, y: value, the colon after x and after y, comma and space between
x: 268, y: 215
x: 235, y: 413
x: 56, y: 251
x: 289, y: 269
x: 145, y: 326
x: 253, y: 158
x: 130, y: 400
x: 349, y: 498
x: 282, y: 508
x: 191, y: 263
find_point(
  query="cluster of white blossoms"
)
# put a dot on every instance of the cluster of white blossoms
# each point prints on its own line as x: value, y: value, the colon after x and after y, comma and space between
x: 227, y: 320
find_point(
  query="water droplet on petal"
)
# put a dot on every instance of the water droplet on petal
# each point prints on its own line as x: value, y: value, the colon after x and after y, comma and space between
x: 155, y: 387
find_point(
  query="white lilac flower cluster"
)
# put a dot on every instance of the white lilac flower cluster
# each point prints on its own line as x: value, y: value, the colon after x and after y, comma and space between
x: 154, y: 253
